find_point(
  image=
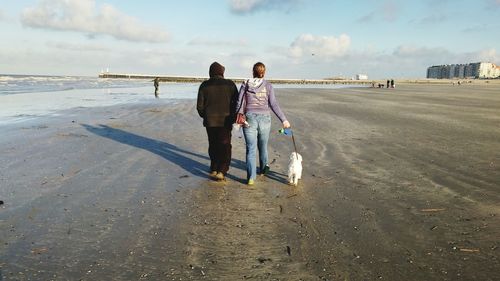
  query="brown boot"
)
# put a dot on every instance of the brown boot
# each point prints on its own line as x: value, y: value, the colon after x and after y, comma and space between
x: 219, y: 176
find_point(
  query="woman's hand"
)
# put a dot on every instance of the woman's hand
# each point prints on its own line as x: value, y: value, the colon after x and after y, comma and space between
x: 286, y: 124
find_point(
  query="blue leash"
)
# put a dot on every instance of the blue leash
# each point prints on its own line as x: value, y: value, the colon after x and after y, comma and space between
x: 287, y: 132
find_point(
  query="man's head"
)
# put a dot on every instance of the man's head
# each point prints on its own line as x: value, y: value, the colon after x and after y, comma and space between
x: 216, y: 69
x: 259, y: 69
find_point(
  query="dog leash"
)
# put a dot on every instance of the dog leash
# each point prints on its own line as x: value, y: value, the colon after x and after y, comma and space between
x: 282, y: 131
x: 294, y: 146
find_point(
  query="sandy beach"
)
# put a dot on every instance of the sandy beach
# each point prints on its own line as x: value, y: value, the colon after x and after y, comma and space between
x: 398, y: 184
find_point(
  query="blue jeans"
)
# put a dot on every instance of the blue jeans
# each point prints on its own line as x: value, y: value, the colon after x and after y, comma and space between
x: 256, y: 137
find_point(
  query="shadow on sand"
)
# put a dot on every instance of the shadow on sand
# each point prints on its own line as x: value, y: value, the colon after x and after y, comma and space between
x: 179, y: 156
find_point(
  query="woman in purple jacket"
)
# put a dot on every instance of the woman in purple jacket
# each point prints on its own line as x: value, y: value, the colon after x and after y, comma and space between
x: 256, y: 100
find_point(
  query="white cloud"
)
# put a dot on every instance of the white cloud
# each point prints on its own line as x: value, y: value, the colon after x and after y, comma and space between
x: 244, y: 6
x: 251, y: 6
x: 200, y: 41
x: 391, y: 10
x: 322, y: 47
x: 388, y: 10
x: 77, y: 47
x: 494, y: 4
x: 479, y: 28
x: 491, y: 5
x: 405, y: 61
x: 83, y: 16
x: 436, y: 56
x: 487, y: 55
x: 406, y: 51
x: 370, y: 17
x: 434, y: 19
x: 4, y: 17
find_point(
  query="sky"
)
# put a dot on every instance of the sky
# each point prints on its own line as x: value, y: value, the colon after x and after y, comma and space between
x: 296, y: 39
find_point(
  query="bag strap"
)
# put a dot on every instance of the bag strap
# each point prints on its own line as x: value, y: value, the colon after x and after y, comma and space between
x: 244, y: 97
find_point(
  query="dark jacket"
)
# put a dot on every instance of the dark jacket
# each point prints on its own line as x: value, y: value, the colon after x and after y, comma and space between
x: 217, y: 102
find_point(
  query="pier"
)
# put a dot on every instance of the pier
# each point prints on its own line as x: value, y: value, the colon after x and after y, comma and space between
x: 192, y: 79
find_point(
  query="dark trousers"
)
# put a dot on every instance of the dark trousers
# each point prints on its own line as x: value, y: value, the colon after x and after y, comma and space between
x: 219, y: 148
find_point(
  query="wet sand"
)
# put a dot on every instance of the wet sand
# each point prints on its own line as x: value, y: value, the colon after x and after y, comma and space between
x: 398, y: 184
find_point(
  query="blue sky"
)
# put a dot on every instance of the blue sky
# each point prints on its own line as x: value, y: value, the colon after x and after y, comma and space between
x: 310, y: 39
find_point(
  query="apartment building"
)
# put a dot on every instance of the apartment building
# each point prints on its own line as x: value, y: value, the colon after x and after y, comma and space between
x: 481, y: 70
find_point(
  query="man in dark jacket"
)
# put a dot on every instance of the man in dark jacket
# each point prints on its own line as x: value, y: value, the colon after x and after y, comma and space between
x: 216, y: 104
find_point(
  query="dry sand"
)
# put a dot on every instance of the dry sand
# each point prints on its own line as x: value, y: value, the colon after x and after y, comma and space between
x: 398, y: 184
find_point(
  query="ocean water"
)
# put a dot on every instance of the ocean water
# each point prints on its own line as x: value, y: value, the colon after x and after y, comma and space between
x: 26, y: 97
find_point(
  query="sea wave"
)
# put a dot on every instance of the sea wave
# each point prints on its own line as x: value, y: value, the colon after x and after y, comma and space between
x: 26, y: 96
x: 17, y: 84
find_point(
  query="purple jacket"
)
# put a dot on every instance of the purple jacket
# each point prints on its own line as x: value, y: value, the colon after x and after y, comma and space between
x: 259, y: 98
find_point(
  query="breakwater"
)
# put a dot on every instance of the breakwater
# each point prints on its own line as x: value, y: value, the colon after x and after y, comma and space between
x: 188, y: 79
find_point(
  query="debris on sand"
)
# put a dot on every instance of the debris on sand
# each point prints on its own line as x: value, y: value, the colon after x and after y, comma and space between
x: 433, y: 210
x: 39, y: 251
x: 263, y: 260
x: 328, y: 180
x: 73, y: 135
x: 469, y: 250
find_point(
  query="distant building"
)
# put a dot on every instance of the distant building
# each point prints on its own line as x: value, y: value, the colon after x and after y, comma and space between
x: 361, y: 77
x: 489, y: 70
x: 482, y: 70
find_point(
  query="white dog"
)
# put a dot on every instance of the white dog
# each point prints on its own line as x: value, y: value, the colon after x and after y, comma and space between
x: 295, y: 168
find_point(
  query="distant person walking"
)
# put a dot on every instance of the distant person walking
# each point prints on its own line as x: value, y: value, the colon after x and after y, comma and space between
x: 392, y: 84
x: 216, y: 105
x: 156, y: 83
x: 388, y: 84
x: 256, y: 100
